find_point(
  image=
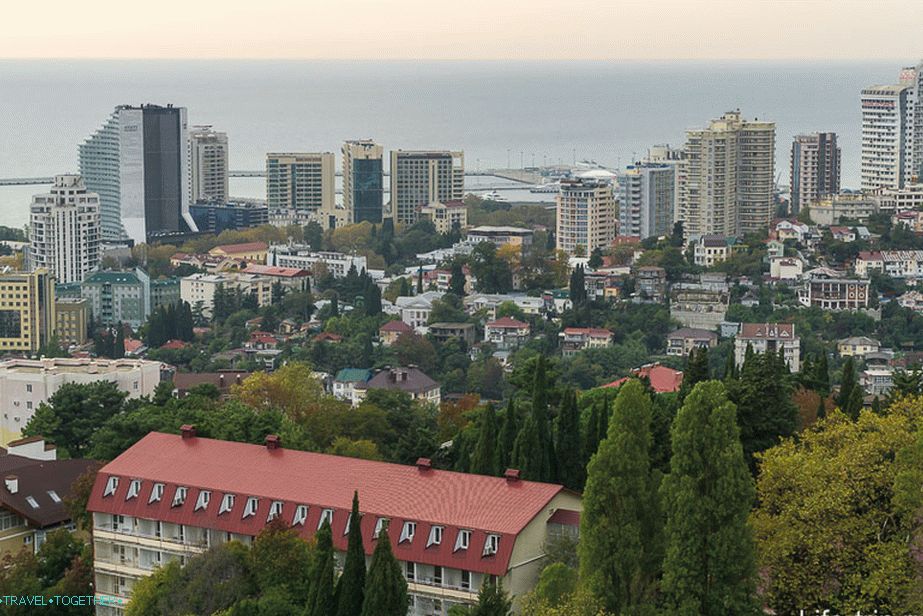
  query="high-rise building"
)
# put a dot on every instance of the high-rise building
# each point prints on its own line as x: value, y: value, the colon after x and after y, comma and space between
x: 664, y: 154
x: 363, y: 181
x: 301, y: 181
x: 587, y: 215
x: 64, y: 230
x: 138, y: 164
x: 647, y: 196
x: 208, y: 165
x: 421, y: 177
x: 886, y: 132
x: 27, y: 311
x: 117, y: 297
x: 729, y: 177
x: 815, y: 169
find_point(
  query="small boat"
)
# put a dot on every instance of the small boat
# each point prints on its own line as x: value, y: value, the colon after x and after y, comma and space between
x: 493, y: 196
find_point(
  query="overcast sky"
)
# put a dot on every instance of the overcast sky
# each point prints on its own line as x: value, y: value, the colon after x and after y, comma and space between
x: 464, y: 29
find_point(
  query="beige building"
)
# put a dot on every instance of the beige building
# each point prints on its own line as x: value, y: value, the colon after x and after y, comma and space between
x: 199, y: 289
x: 363, y: 183
x: 170, y: 497
x: 208, y: 165
x: 421, y: 177
x: 729, y: 174
x: 27, y: 311
x: 71, y: 318
x: 301, y: 181
x: 446, y: 216
x: 27, y: 383
x: 896, y: 200
x: 769, y: 338
x: 849, y: 206
x: 857, y: 346
x: 587, y: 215
x: 699, y: 306
x: 815, y: 169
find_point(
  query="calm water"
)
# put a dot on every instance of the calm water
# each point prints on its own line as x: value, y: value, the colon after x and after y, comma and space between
x: 498, y: 112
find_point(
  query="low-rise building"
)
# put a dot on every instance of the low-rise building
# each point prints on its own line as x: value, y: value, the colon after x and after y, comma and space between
x: 790, y: 230
x: 651, y: 283
x: 912, y: 300
x: 663, y: 380
x: 894, y: 200
x: 170, y: 497
x: 288, y: 278
x: 446, y: 217
x: 392, y: 330
x: 844, y: 206
x: 198, y: 290
x: 506, y: 333
x: 576, y: 339
x: 684, y: 340
x: 415, y: 310
x: 712, y: 249
x: 912, y: 219
x: 894, y: 263
x: 254, y: 252
x: 501, y: 236
x: 857, y: 346
x: 71, y: 319
x: 769, y: 338
x: 302, y: 256
x: 835, y: 294
x: 877, y: 381
x: 698, y: 305
x: 346, y: 380
x: 410, y: 380
x: 443, y: 332
x: 785, y: 268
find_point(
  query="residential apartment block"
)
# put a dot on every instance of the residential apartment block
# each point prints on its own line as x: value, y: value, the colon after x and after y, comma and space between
x: 27, y: 311
x: 506, y: 333
x: 833, y: 209
x: 699, y: 306
x: 893, y: 263
x: 587, y: 216
x: 501, y: 236
x: 421, y: 177
x: 208, y: 165
x: 199, y: 289
x: 815, y: 169
x: 301, y: 181
x: 72, y: 315
x: 684, y: 340
x: 769, y: 338
x: 302, y: 256
x: 647, y: 199
x: 446, y: 217
x: 576, y: 339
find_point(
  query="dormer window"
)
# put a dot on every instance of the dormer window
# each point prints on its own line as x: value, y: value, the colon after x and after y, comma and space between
x: 250, y: 508
x: 491, y: 545
x: 380, y: 525
x: 227, y: 503
x: 407, y: 533
x: 202, y: 501
x: 32, y: 502
x: 301, y: 515
x: 435, y: 536
x: 134, y: 488
x: 111, y: 485
x: 156, y: 493
x: 275, y: 510
x: 179, y: 497
x: 325, y: 516
x: 462, y: 540
x: 54, y: 496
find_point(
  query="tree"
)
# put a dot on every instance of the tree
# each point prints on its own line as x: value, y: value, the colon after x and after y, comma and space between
x: 555, y: 584
x: 119, y: 350
x: 696, y: 370
x: 291, y: 389
x: 350, y: 590
x: 492, y: 600
x: 73, y: 413
x: 709, y: 566
x: 568, y: 448
x: 596, y: 259
x: 849, y: 398
x: 507, y: 437
x: 321, y: 596
x: 419, y: 281
x: 314, y: 235
x: 621, y: 544
x: 578, y: 286
x: 385, y: 588
x: 485, y: 459
x: 533, y: 450
x: 281, y: 561
x: 457, y: 281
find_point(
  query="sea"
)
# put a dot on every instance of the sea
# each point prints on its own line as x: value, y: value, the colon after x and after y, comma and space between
x: 502, y: 114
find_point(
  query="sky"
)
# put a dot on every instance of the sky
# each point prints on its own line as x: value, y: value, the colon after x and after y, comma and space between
x: 464, y: 29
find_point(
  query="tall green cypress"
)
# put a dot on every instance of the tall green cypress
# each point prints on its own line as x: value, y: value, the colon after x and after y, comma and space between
x: 492, y: 600
x: 321, y: 597
x: 696, y: 370
x: 849, y: 398
x: 709, y: 568
x: 730, y: 367
x: 822, y: 376
x: 419, y: 281
x: 621, y: 541
x: 571, y: 469
x: 605, y: 411
x: 532, y: 453
x: 385, y: 586
x: 484, y: 460
x: 351, y: 585
x: 507, y: 439
x: 591, y: 433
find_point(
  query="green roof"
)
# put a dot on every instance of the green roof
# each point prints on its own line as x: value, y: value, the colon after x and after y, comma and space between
x: 112, y: 278
x: 353, y: 375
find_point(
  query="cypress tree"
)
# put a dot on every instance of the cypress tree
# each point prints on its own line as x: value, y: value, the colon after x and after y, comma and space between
x: 321, y: 596
x: 419, y: 281
x: 351, y: 585
x: 821, y: 409
x: 385, y: 586
x: 461, y: 447
x: 372, y: 297
x: 571, y: 469
x: 696, y: 370
x: 492, y: 600
x: 849, y: 392
x: 621, y: 544
x: 484, y: 460
x: 822, y: 376
x: 507, y: 439
x: 730, y: 367
x: 532, y: 452
x: 118, y: 350
x: 709, y: 568
x: 591, y: 433
x: 457, y: 281
x: 602, y: 427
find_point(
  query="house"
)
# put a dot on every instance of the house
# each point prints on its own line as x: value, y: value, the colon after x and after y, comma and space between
x: 857, y: 346
x: 682, y: 341
x: 877, y: 381
x: 698, y: 305
x: 415, y: 310
x: 254, y: 252
x: 262, y: 340
x: 506, y: 333
x: 774, y: 248
x: 912, y: 219
x: 328, y: 337
x: 749, y: 299
x: 446, y: 217
x: 835, y: 294
x: 410, y: 380
x: 500, y: 236
x: 785, y: 268
x: 768, y: 338
x: 291, y: 279
x: 843, y: 234
x: 651, y: 283
x: 223, y: 381
x: 868, y: 261
x: 785, y: 229
x: 172, y: 496
x: 663, y: 380
x: 345, y: 381
x: 443, y: 332
x: 392, y: 330
x: 576, y: 339
x: 712, y: 249
x: 906, y: 264
x: 912, y: 300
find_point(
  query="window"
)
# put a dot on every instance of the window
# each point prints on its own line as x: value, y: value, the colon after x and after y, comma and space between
x: 32, y: 502
x: 250, y: 508
x: 179, y: 497
x: 111, y: 485
x: 325, y: 516
x: 491, y: 545
x: 301, y: 514
x: 275, y: 510
x: 134, y: 488
x: 410, y: 571
x: 29, y: 388
x: 437, y: 575
x: 380, y: 525
x: 435, y: 536
x: 407, y: 533
x: 202, y: 501
x: 156, y: 493
x: 349, y: 520
x: 54, y: 496
x: 227, y: 503
x: 466, y: 580
x: 462, y: 540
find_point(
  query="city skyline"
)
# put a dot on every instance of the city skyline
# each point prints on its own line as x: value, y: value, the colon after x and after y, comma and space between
x: 513, y: 30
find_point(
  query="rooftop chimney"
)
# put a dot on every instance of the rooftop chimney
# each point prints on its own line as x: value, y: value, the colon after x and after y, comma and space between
x: 187, y: 430
x: 273, y: 441
x: 12, y: 484
x: 424, y: 464
x: 511, y: 474
x: 220, y: 381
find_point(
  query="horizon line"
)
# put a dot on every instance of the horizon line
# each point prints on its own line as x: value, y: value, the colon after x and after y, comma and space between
x: 445, y: 59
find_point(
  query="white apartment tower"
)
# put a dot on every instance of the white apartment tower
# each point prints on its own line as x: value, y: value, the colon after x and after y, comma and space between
x: 587, y: 215
x: 64, y: 230
x: 815, y: 169
x: 647, y: 196
x: 421, y: 177
x: 208, y: 164
x: 730, y: 169
x: 301, y: 181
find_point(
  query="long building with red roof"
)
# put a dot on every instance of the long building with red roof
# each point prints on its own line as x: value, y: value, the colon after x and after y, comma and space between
x: 172, y: 496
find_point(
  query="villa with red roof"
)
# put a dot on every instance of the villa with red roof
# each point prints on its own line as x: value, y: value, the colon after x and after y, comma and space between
x: 663, y: 380
x: 247, y: 251
x: 392, y: 330
x: 171, y: 496
x: 290, y: 278
x: 506, y: 333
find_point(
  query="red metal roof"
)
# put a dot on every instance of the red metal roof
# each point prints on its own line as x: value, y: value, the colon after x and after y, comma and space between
x: 272, y: 270
x: 663, y: 380
x: 508, y: 322
x: 400, y: 493
x: 233, y: 249
x: 174, y: 345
